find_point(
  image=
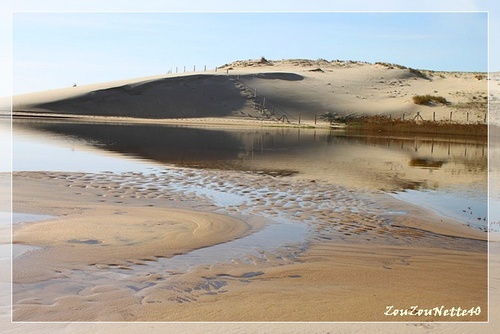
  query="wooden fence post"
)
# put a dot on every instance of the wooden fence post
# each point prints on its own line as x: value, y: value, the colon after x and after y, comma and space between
x: 434, y: 116
x: 451, y: 115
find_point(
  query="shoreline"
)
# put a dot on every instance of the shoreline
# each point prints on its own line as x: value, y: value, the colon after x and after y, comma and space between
x: 306, y: 283
x: 409, y: 127
x: 195, y: 121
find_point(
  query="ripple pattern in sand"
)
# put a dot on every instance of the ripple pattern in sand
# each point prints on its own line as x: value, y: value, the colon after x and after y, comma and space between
x: 297, y: 212
x: 330, y: 212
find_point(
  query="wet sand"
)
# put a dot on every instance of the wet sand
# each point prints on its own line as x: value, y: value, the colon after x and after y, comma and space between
x: 362, y: 251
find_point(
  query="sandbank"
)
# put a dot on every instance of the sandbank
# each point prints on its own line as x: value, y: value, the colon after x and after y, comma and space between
x: 351, y: 268
x: 123, y: 234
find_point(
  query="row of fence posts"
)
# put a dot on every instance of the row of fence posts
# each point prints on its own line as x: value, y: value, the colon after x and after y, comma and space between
x: 315, y: 116
x: 284, y: 117
x: 194, y: 69
x: 419, y: 116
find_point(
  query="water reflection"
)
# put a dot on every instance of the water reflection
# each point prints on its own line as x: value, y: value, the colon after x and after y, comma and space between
x: 351, y: 159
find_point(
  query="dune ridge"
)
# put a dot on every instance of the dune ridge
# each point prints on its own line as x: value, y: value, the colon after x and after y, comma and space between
x: 286, y: 90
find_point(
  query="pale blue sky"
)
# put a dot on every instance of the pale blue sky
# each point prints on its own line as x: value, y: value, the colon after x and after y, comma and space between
x: 57, y: 45
x: 53, y: 50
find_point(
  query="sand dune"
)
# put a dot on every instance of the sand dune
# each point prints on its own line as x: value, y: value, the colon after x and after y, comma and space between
x: 273, y: 90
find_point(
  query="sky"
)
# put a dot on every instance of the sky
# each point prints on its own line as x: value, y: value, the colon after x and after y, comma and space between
x: 54, y: 50
x: 59, y: 47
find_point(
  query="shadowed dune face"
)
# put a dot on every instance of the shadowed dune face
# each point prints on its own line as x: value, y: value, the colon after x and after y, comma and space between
x: 275, y: 76
x: 179, y: 97
x: 287, y: 91
x: 191, y: 96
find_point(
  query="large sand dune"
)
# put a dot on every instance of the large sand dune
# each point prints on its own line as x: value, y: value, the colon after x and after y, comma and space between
x: 289, y: 89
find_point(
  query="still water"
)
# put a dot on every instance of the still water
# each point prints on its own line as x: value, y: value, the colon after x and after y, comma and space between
x: 448, y: 175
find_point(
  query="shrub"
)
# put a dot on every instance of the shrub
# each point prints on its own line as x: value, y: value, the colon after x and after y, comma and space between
x: 417, y: 73
x: 391, y: 66
x: 428, y: 99
x: 263, y: 60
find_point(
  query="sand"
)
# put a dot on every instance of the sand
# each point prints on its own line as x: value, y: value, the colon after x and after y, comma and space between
x: 272, y: 92
x: 123, y: 234
x: 343, y: 272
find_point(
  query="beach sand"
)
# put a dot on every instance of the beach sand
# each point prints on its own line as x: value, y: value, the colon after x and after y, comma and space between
x: 355, y: 263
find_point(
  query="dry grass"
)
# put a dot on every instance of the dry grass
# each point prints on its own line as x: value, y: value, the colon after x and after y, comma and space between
x: 429, y: 99
x: 478, y: 105
x: 386, y: 124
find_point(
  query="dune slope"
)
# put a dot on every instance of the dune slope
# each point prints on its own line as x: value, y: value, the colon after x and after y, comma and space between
x: 274, y: 90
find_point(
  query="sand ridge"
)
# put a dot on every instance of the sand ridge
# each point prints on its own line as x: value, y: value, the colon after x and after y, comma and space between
x: 275, y: 90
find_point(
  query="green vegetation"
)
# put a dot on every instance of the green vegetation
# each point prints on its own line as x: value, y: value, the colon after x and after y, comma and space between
x: 390, y: 65
x: 401, y: 67
x: 429, y: 99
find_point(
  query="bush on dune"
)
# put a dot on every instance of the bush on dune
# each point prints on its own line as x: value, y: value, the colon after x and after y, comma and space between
x: 429, y: 99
